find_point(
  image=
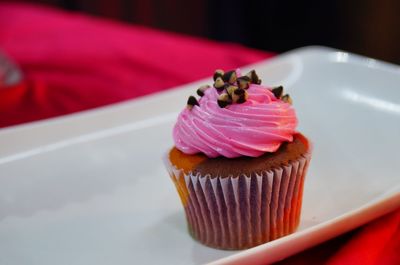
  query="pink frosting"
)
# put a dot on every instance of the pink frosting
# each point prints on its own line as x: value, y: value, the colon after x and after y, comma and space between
x: 252, y: 128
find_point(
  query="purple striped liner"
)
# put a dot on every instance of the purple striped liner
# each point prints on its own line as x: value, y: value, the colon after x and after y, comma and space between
x: 243, y: 211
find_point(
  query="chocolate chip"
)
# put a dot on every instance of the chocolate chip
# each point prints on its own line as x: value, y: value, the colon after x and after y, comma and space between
x: 287, y: 99
x: 241, y: 100
x: 192, y: 101
x: 230, y: 89
x: 200, y: 90
x: 243, y: 82
x: 253, y: 77
x: 224, y: 100
x: 218, y: 73
x: 230, y: 77
x: 219, y: 84
x: 239, y: 91
x: 245, y: 78
x: 239, y: 95
x: 277, y: 91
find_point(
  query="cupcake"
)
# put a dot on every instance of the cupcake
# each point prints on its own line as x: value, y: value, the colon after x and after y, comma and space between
x: 238, y: 162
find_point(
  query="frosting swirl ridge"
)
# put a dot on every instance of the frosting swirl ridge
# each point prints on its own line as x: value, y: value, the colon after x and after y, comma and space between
x: 259, y: 125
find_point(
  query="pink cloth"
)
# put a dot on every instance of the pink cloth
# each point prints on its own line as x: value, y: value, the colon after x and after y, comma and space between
x: 73, y: 62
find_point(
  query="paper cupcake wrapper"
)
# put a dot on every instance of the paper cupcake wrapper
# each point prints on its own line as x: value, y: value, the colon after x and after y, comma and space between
x: 244, y: 211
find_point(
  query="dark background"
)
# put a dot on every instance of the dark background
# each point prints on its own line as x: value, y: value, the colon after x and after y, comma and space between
x: 367, y: 27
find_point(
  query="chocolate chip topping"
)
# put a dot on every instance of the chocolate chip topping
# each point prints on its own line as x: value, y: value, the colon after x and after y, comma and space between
x: 233, y: 88
x: 239, y: 91
x: 254, y: 77
x: 191, y: 102
x: 230, y: 77
x: 218, y: 73
x: 243, y: 82
x: 239, y: 96
x: 200, y: 90
x: 277, y: 91
x: 224, y: 100
x: 219, y: 84
x: 287, y: 99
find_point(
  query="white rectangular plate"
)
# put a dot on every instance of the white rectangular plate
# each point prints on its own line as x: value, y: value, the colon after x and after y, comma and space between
x: 91, y: 188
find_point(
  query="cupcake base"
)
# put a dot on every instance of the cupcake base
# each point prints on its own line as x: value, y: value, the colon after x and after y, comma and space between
x: 242, y: 212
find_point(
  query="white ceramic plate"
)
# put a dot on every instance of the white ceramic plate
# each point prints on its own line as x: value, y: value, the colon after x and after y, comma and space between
x: 91, y: 188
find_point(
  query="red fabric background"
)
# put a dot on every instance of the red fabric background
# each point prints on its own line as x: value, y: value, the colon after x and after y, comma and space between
x: 73, y: 62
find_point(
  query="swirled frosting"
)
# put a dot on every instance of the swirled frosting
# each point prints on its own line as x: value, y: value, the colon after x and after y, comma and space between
x: 252, y: 128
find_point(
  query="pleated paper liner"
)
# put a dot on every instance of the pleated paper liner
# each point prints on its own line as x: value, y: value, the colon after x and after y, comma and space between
x: 245, y: 211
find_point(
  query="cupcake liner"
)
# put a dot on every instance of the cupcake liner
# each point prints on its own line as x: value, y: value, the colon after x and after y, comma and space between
x: 243, y: 211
